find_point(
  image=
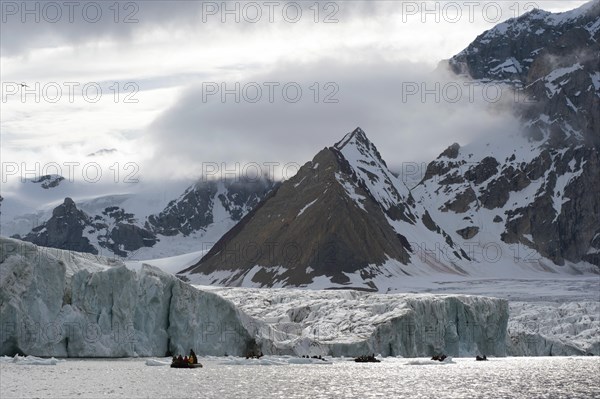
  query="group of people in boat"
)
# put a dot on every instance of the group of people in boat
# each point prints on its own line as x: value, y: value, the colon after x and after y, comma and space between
x: 254, y: 355
x: 312, y: 357
x: 480, y: 358
x: 185, y: 360
x: 367, y: 359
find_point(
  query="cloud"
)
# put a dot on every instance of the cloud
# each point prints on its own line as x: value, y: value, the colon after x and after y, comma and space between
x: 367, y: 57
x: 47, y: 23
x: 410, y: 112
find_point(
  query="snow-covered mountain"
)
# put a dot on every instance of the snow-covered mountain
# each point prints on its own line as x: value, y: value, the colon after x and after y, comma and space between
x: 132, y: 225
x: 551, y: 61
x: 533, y: 193
x: 343, y: 220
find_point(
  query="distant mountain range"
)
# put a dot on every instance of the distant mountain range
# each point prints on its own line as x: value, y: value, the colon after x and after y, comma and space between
x: 111, y: 226
x: 526, y: 201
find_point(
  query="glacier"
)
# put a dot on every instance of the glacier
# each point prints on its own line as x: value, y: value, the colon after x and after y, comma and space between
x: 350, y: 322
x: 57, y: 303
x: 67, y: 304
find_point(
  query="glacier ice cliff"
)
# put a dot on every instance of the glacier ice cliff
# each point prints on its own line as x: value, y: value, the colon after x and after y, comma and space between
x: 554, y: 329
x: 349, y: 322
x: 60, y: 303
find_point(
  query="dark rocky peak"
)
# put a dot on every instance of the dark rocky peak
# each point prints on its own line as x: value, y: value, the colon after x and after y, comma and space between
x: 71, y: 228
x: 69, y: 209
x: 321, y: 222
x: 64, y: 229
x: 341, y: 214
x: 357, y: 134
x: 188, y: 213
x: 450, y: 152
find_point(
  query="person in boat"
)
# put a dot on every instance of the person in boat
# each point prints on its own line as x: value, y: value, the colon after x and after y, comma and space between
x: 179, y: 359
x: 193, y: 358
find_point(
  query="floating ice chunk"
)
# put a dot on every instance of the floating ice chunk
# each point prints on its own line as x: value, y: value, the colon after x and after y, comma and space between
x: 30, y: 360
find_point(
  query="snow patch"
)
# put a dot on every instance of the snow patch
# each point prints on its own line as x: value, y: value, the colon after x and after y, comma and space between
x: 306, y: 207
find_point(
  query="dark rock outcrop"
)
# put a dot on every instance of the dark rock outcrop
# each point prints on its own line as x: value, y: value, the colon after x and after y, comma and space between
x: 48, y: 181
x: 485, y: 169
x: 461, y: 202
x: 70, y: 228
x: 468, y: 232
x: 64, y: 229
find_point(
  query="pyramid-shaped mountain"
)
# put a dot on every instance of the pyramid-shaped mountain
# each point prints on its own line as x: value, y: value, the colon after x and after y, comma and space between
x: 344, y: 220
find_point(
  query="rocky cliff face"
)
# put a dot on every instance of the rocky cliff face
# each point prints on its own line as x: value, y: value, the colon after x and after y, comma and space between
x: 535, y: 190
x: 72, y: 229
x: 194, y: 209
x: 341, y: 218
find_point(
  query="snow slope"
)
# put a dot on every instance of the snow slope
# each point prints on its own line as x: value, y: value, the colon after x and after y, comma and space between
x: 171, y: 265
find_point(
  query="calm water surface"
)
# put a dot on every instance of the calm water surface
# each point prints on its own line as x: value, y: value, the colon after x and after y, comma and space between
x: 541, y: 377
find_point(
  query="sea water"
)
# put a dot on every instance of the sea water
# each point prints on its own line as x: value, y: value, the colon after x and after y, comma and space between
x: 287, y: 377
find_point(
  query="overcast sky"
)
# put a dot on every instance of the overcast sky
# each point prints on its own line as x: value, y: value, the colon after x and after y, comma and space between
x: 147, y: 79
